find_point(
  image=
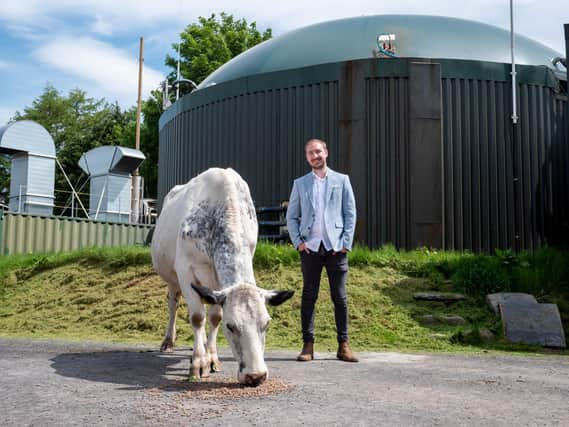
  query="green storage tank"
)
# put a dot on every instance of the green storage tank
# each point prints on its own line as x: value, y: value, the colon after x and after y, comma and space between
x: 417, y: 109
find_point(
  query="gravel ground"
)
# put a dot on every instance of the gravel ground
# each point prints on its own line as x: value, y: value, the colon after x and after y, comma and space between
x: 46, y: 382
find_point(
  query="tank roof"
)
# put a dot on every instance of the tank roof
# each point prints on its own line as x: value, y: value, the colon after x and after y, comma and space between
x: 416, y: 36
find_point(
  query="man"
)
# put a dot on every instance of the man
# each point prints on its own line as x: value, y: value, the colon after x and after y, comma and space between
x: 321, y: 219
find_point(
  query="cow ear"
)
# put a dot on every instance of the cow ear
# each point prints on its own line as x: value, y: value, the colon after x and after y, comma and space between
x: 209, y: 296
x: 277, y: 297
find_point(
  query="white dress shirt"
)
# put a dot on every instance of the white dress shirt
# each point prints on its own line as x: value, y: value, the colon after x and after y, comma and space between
x: 318, y: 232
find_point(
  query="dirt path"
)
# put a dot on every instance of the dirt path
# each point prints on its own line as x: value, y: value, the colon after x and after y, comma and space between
x: 63, y: 383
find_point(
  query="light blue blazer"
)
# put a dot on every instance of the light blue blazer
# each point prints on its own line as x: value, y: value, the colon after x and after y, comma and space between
x: 339, y: 213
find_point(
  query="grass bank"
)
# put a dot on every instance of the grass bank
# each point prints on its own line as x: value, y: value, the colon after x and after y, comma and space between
x: 114, y: 295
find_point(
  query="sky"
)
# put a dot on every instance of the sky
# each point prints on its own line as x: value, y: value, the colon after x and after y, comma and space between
x: 93, y: 45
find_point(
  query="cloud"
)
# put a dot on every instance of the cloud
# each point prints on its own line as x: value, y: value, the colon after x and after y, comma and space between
x: 35, y: 13
x: 105, y: 14
x: 113, y: 71
x: 29, y: 32
x: 60, y: 40
x: 107, y: 17
x: 101, y: 26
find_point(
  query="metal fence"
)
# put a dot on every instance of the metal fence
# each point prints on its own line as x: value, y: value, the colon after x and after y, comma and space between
x: 23, y: 233
x: 272, y: 223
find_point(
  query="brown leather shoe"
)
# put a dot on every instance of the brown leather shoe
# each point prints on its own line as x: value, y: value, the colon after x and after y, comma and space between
x: 307, y: 352
x: 345, y: 353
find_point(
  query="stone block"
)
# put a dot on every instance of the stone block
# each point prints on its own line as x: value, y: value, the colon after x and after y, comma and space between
x: 428, y: 319
x: 445, y: 297
x: 495, y: 300
x: 452, y: 320
x: 486, y: 334
x: 446, y: 319
x: 532, y: 324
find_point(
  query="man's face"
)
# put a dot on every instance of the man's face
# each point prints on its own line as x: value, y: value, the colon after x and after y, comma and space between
x: 316, y: 155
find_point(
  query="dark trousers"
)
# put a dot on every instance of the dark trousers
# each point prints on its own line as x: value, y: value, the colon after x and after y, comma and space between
x: 337, y: 269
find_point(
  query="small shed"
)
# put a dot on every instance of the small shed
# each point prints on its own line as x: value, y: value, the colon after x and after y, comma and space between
x: 32, y: 182
x: 110, y: 169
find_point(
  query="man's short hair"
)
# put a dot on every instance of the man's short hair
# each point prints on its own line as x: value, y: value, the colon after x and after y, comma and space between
x: 310, y: 141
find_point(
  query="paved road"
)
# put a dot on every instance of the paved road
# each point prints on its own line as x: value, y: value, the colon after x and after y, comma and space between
x: 67, y: 383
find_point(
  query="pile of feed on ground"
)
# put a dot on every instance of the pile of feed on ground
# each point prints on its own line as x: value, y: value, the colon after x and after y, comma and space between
x: 222, y: 388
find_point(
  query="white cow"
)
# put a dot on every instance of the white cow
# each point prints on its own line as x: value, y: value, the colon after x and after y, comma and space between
x: 203, y: 247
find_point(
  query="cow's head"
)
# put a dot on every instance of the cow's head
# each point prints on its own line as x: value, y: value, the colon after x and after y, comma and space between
x: 245, y: 322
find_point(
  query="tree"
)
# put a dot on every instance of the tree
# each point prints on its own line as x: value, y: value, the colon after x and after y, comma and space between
x: 210, y: 43
x: 77, y: 124
x: 204, y: 47
x: 151, y: 111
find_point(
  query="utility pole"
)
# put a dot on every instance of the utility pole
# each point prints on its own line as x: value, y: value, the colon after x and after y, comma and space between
x: 135, y: 192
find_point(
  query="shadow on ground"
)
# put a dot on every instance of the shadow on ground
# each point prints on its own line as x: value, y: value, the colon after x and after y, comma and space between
x: 135, y: 370
x: 138, y: 370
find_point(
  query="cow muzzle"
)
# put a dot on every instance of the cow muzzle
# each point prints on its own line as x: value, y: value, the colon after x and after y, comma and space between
x: 254, y: 380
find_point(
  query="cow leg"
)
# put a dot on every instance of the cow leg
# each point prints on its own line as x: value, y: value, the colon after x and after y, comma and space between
x: 188, y: 274
x: 170, y: 338
x: 200, y: 366
x: 215, y: 314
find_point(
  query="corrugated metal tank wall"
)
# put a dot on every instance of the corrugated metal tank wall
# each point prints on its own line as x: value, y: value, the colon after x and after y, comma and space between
x: 478, y: 170
x: 388, y: 141
x: 497, y: 192
x: 500, y: 189
x: 540, y: 149
x: 260, y: 135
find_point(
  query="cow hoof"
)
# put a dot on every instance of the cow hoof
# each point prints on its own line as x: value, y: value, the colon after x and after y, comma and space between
x: 194, y: 374
x: 216, y: 367
x: 204, y: 372
x: 167, y: 346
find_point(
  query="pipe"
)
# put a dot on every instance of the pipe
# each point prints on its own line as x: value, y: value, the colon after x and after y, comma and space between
x: 512, y: 49
x: 178, y: 69
x: 566, y: 28
x: 176, y: 83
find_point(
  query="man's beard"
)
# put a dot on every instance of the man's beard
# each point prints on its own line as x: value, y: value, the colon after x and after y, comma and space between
x: 319, y: 165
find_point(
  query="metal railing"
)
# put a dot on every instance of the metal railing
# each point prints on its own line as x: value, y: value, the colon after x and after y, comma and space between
x: 272, y: 223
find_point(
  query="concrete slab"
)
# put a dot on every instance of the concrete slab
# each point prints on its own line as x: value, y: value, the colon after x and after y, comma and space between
x: 532, y: 323
x: 518, y: 298
x: 446, y: 319
x: 446, y: 297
